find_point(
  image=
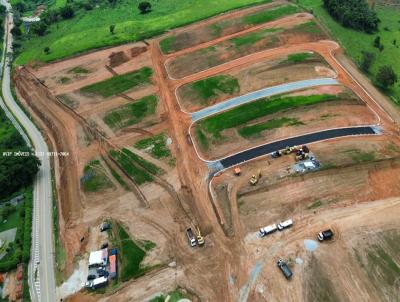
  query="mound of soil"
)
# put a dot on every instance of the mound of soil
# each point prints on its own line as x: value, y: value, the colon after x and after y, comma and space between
x: 135, y: 51
x: 117, y: 58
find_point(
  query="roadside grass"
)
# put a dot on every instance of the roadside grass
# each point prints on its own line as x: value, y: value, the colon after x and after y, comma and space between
x: 79, y: 70
x: 253, y: 130
x: 148, y: 166
x: 240, y: 115
x: 212, y: 87
x: 64, y: 80
x: 174, y: 296
x: 254, y: 37
x: 131, y: 113
x: 271, y: 14
x: 309, y: 27
x: 166, y: 44
x: 95, y: 178
x: 139, y: 175
x: 155, y: 146
x: 120, y: 83
x: 90, y: 29
x: 355, y: 42
x: 314, y: 205
x: 130, y: 255
x: 68, y: 101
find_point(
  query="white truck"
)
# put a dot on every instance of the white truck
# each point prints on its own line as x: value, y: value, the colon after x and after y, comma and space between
x: 191, y: 237
x: 285, y: 224
x: 267, y: 230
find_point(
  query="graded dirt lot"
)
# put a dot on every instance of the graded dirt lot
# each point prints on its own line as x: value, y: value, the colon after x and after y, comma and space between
x: 347, y: 110
x: 251, y: 77
x: 294, y: 30
x: 163, y: 188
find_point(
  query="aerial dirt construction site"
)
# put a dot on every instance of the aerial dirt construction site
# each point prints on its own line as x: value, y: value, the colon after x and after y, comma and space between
x: 208, y: 154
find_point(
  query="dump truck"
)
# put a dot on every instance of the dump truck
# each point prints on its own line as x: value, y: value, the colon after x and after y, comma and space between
x: 284, y: 268
x: 237, y: 171
x: 191, y: 237
x: 267, y: 230
x: 285, y: 224
x: 325, y: 235
x: 200, y: 238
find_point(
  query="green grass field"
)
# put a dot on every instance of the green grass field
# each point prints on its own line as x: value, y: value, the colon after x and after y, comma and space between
x: 95, y: 178
x: 155, y: 146
x: 120, y: 83
x: 299, y: 57
x: 212, y: 87
x: 132, y: 113
x: 175, y: 296
x: 256, y: 129
x: 11, y: 221
x: 354, y: 42
x: 238, y: 116
x: 270, y: 15
x: 139, y: 174
x: 90, y: 29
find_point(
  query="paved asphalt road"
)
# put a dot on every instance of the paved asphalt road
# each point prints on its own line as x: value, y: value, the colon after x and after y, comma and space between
x: 294, y: 141
x: 41, y: 269
x: 240, y: 100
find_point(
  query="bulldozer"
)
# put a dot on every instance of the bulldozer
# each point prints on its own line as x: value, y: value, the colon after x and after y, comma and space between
x: 254, y: 178
x: 200, y: 238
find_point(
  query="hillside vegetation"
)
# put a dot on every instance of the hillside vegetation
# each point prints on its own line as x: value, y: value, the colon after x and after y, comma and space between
x: 89, y: 28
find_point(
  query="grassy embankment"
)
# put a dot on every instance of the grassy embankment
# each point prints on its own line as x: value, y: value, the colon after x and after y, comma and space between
x: 170, y: 43
x: 90, y: 29
x: 212, y: 127
x: 120, y: 83
x: 132, y: 113
x: 355, y: 42
x: 130, y: 253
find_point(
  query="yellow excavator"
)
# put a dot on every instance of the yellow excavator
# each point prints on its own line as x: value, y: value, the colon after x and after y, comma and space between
x: 200, y: 238
x: 254, y: 178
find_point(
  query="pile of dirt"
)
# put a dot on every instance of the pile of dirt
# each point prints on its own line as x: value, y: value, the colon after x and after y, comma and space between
x: 117, y: 58
x: 135, y: 51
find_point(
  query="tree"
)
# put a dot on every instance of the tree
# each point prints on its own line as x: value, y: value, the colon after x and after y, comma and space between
x: 144, y: 7
x: 366, y: 60
x: 39, y: 28
x: 46, y: 50
x: 112, y: 2
x: 20, y: 6
x: 377, y: 42
x: 67, y: 12
x: 112, y: 28
x: 386, y: 76
x: 16, y: 31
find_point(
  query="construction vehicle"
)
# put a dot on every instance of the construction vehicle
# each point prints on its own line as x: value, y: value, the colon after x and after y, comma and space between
x: 325, y: 235
x: 191, y: 238
x: 200, y: 238
x: 285, y: 224
x: 284, y: 268
x: 276, y: 154
x: 302, y: 153
x: 267, y: 230
x: 253, y: 180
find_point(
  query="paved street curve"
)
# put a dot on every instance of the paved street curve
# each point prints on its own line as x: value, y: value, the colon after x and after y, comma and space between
x: 294, y: 141
x: 269, y: 91
x: 41, y: 268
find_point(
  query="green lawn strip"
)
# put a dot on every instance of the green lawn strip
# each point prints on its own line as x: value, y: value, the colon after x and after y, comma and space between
x: 360, y: 156
x: 131, y: 113
x: 299, y: 57
x: 259, y: 108
x: 211, y: 87
x: 90, y: 29
x: 117, y: 177
x: 253, y: 37
x: 155, y: 146
x: 95, y: 178
x: 148, y: 166
x: 9, y: 217
x: 355, y: 42
x: 256, y: 129
x: 139, y: 175
x: 120, y: 83
x: 271, y: 14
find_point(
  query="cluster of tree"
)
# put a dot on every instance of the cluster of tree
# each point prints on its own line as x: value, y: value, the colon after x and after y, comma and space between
x: 19, y: 250
x: 354, y: 14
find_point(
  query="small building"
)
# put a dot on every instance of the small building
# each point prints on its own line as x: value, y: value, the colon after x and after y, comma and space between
x: 98, y: 258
